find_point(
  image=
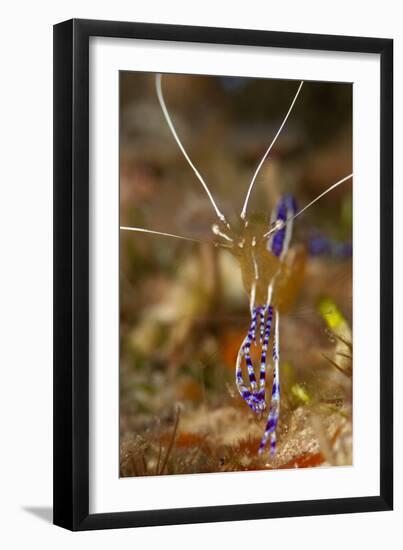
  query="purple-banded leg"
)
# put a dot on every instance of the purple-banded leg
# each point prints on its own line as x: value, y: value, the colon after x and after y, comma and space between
x: 247, y: 394
x: 253, y: 395
x: 262, y: 323
x: 263, y: 360
x: 251, y: 336
x: 274, y: 411
x: 275, y: 394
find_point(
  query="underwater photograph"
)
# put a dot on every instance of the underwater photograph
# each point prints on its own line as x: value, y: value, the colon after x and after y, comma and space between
x: 235, y: 291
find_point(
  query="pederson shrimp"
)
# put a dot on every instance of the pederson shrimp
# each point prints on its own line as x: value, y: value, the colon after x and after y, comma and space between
x: 270, y: 268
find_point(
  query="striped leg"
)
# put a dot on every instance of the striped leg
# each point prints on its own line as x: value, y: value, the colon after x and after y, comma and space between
x: 275, y: 394
x: 254, y: 396
x: 246, y: 349
x: 262, y: 323
x: 246, y: 394
x: 263, y: 361
x: 274, y: 411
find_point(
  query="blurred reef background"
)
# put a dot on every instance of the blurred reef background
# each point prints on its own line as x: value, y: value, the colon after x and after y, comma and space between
x: 183, y: 310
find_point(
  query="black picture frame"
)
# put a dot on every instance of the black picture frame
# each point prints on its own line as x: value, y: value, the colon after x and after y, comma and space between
x: 71, y: 273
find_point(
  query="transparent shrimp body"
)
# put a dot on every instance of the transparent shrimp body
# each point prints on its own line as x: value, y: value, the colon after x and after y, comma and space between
x: 270, y: 273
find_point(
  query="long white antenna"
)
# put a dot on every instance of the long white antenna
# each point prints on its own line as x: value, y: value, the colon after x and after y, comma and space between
x: 245, y: 205
x: 280, y: 224
x: 142, y: 230
x: 161, y: 100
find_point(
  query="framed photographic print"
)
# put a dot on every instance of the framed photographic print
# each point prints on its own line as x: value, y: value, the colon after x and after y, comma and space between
x: 223, y: 297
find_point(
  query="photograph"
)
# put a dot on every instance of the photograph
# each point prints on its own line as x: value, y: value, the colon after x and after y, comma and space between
x: 235, y: 274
